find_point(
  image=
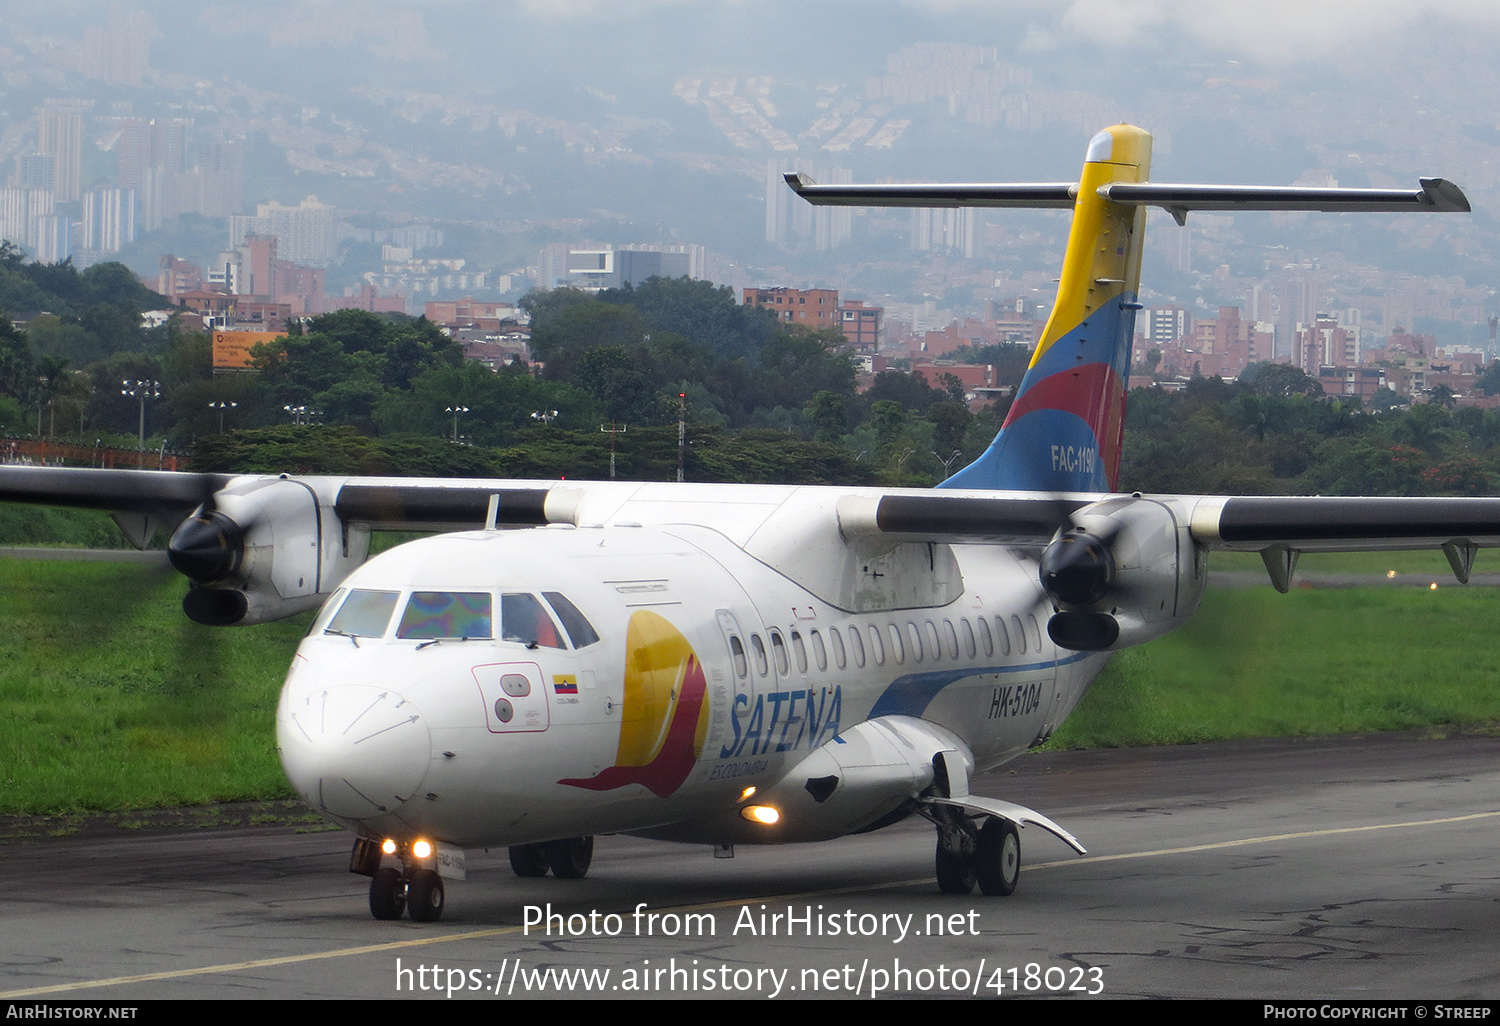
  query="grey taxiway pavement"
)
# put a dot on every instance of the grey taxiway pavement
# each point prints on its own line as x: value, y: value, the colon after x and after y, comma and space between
x: 1354, y: 868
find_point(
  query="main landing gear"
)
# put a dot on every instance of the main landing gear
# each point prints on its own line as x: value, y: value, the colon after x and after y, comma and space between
x: 569, y: 858
x: 985, y: 850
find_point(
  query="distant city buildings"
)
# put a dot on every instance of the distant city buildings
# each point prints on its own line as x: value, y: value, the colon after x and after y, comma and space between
x: 595, y: 268
x: 811, y: 308
x: 120, y: 51
x: 861, y: 325
x: 109, y: 219
x: 790, y: 220
x: 60, y: 137
x: 305, y: 233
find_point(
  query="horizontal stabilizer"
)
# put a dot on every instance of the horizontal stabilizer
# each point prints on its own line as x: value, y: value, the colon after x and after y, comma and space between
x: 1052, y: 194
x: 1433, y: 195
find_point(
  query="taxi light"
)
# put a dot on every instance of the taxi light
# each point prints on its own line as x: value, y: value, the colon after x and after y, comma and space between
x: 388, y: 846
x: 421, y: 849
x: 748, y: 792
x: 762, y: 814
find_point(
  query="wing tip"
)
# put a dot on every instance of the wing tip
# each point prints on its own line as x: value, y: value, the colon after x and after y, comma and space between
x: 1444, y: 195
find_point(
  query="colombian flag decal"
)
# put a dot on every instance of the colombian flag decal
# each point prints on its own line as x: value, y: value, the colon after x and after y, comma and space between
x: 665, y: 715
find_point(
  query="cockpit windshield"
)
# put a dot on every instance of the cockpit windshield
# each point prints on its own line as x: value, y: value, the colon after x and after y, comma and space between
x: 446, y: 614
x: 524, y: 620
x: 364, y: 614
x: 431, y: 616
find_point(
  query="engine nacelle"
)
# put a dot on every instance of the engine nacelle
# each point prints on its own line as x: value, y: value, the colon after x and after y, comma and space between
x: 1125, y: 572
x: 265, y: 548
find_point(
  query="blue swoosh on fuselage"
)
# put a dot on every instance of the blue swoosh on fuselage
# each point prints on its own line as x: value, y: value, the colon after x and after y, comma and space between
x: 912, y: 694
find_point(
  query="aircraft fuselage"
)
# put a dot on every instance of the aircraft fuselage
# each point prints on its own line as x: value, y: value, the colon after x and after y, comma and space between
x: 711, y: 673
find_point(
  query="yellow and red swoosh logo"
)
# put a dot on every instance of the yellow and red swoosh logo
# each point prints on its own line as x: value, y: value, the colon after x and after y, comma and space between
x: 665, y: 715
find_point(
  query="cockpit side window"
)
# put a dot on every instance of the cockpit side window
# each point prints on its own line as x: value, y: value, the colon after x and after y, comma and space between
x: 446, y: 614
x: 326, y: 613
x: 524, y: 619
x: 365, y: 613
x: 574, y: 622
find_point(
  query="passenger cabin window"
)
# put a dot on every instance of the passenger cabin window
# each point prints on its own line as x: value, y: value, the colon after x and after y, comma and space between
x: 877, y: 647
x: 1020, y: 633
x: 737, y: 653
x: 580, y: 631
x: 916, y: 642
x: 857, y: 643
x: 365, y: 613
x: 1003, y: 635
x: 898, y: 650
x: 759, y: 648
x: 778, y: 647
x: 968, y: 633
x: 820, y: 654
x: 952, y: 637
x: 985, y: 638
x: 524, y: 619
x: 840, y: 658
x: 446, y: 614
x: 799, y: 650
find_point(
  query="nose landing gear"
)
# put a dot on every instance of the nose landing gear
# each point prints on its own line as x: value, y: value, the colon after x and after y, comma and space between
x: 413, y: 888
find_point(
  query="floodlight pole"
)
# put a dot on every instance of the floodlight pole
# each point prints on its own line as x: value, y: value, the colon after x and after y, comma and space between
x: 613, y: 430
x: 681, y: 432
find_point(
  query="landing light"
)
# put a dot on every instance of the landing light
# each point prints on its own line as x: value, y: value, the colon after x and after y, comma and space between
x: 1432, y: 586
x: 421, y: 849
x: 762, y: 814
x: 388, y: 846
x: 748, y: 792
x: 1390, y: 573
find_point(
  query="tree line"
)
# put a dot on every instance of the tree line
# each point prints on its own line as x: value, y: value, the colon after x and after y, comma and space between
x: 355, y: 392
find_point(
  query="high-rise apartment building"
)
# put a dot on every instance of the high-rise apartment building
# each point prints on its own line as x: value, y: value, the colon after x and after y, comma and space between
x: 789, y: 219
x: 36, y: 171
x: 60, y: 136
x: 110, y: 219
x: 120, y: 51
x: 304, y: 233
x: 21, y: 213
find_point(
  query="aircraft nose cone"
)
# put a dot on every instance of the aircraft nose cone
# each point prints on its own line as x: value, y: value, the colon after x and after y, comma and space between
x: 354, y: 751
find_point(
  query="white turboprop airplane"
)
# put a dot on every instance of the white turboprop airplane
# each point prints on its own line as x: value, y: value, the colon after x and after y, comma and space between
x: 733, y: 664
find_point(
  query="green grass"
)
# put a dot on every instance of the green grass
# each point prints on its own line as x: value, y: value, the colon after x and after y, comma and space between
x: 114, y: 700
x: 1253, y: 663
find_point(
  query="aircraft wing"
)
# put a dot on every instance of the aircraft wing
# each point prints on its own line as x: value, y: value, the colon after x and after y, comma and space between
x: 405, y: 504
x: 1279, y: 527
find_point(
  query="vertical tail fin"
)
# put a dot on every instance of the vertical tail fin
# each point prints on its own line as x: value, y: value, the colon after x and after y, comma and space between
x: 1067, y: 423
x: 1065, y: 428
